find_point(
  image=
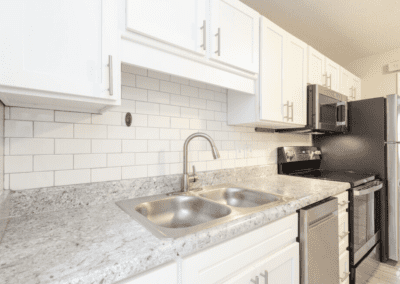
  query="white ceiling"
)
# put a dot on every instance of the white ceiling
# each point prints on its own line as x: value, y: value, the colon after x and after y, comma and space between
x: 343, y: 30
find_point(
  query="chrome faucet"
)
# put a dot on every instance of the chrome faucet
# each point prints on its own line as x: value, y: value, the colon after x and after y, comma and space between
x: 187, y: 177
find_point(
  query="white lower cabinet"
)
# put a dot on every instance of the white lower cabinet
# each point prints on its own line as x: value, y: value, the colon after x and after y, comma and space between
x: 271, y: 248
x: 166, y: 274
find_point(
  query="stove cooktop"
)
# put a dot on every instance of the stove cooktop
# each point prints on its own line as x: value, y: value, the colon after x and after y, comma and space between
x: 354, y: 178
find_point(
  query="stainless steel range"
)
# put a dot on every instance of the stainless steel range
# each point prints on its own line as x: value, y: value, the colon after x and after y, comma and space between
x: 364, y: 210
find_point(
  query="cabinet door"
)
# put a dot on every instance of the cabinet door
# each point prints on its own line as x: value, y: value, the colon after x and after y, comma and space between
x: 179, y: 22
x: 295, y: 80
x: 271, y: 72
x: 357, y: 88
x: 235, y: 34
x: 346, y: 83
x: 61, y: 47
x: 280, y: 268
x: 333, y: 73
x: 166, y: 274
x: 316, y: 67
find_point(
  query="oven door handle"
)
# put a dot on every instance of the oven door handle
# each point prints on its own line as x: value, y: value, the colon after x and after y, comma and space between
x: 368, y: 190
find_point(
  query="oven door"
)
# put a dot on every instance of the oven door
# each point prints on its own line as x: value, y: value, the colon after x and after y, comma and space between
x: 330, y: 110
x: 364, y: 216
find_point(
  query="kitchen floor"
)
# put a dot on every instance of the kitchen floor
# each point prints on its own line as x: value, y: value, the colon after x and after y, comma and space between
x: 387, y: 273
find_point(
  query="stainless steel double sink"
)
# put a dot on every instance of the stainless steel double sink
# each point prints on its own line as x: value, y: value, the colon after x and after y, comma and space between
x: 173, y: 216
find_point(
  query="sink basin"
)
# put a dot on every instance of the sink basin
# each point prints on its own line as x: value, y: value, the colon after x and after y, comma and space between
x: 181, y: 211
x: 239, y: 197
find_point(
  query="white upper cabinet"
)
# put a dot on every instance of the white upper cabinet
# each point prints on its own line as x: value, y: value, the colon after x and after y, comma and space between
x: 295, y: 87
x: 234, y: 34
x: 272, y: 44
x: 316, y: 67
x: 59, y: 51
x: 346, y: 83
x: 357, y: 88
x: 181, y: 23
x: 332, y: 70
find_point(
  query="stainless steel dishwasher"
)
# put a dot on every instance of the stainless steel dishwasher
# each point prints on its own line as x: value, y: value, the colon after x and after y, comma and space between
x: 319, y: 245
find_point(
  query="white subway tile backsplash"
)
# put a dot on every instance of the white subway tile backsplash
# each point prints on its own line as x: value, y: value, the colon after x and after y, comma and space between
x: 121, y: 159
x: 121, y: 132
x: 130, y: 93
x: 17, y: 164
x: 198, y: 103
x: 106, y: 146
x: 190, y: 91
x: 87, y: 161
x: 146, y: 158
x: 134, y: 146
x: 159, y: 121
x: 15, y: 128
x: 31, y: 180
x: 178, y: 100
x: 147, y: 133
x: 71, y: 177
x: 170, y: 87
x: 71, y: 146
x: 179, y: 122
x: 147, y: 83
x: 167, y: 110
x: 158, y: 170
x: 107, y: 118
x: 17, y: 113
x: 158, y: 97
x: 133, y: 69
x: 189, y: 112
x: 147, y: 108
x: 158, y: 75
x: 89, y: 131
x: 30, y: 146
x: 128, y: 79
x: 72, y: 117
x: 106, y: 174
x: 170, y: 134
x: 43, y: 163
x: 158, y: 146
x: 134, y: 172
x: 55, y: 130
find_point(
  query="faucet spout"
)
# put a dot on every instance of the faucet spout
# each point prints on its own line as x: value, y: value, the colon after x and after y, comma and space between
x: 186, y: 177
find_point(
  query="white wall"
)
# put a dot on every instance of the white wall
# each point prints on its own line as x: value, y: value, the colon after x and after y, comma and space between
x: 375, y: 79
x: 46, y: 148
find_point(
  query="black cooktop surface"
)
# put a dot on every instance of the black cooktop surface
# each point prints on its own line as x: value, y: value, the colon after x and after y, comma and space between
x: 353, y: 178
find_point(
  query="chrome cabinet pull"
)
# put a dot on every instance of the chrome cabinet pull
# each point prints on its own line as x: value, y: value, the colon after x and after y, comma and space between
x: 344, y: 234
x: 219, y: 42
x: 344, y: 203
x: 257, y: 281
x: 346, y: 274
x: 292, y: 111
x: 330, y: 81
x: 204, y: 35
x: 265, y: 275
x: 354, y: 92
x: 287, y: 111
x: 111, y: 87
x: 351, y: 92
x: 326, y: 78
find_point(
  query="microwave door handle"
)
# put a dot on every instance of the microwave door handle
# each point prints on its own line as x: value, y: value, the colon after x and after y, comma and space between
x: 341, y: 122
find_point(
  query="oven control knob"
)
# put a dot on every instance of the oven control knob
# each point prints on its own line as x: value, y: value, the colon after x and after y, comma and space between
x: 290, y: 156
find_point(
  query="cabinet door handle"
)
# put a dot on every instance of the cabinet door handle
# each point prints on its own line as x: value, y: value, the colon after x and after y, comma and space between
x: 111, y: 85
x: 204, y: 35
x: 257, y: 281
x: 287, y: 111
x: 354, y: 92
x: 265, y: 275
x: 344, y: 234
x: 344, y: 203
x: 219, y: 42
x: 326, y: 78
x: 351, y: 92
x: 292, y: 111
x: 346, y: 274
x: 330, y: 81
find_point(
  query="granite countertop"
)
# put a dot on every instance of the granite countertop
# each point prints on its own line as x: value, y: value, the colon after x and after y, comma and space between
x: 102, y: 244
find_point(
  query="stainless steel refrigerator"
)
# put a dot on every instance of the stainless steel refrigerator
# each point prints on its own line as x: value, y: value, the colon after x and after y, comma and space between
x: 393, y: 172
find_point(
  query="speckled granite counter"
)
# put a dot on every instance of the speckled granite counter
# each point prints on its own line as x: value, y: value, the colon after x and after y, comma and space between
x: 102, y: 244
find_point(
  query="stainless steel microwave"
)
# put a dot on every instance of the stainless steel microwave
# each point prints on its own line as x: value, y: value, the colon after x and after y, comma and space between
x: 326, y: 112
